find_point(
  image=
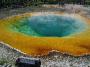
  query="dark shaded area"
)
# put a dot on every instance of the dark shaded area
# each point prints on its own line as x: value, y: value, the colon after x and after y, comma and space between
x: 24, y: 3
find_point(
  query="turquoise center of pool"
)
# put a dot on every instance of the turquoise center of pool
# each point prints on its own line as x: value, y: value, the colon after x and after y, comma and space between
x: 49, y: 26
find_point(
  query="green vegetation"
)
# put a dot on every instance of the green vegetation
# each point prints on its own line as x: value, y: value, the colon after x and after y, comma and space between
x: 22, y: 3
x: 3, y: 61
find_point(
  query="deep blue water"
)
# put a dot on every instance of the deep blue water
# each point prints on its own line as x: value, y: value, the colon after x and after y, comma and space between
x: 53, y: 25
x: 50, y: 25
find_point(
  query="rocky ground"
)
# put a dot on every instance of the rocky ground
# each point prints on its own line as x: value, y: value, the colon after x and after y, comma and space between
x: 9, y: 55
x: 67, y: 8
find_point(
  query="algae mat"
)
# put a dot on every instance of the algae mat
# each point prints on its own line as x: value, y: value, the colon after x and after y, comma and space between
x: 39, y: 33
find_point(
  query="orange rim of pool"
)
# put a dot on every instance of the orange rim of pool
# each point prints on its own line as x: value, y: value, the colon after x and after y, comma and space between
x: 38, y: 33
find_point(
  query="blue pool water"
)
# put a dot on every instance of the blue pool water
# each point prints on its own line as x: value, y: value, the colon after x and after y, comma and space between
x: 50, y: 25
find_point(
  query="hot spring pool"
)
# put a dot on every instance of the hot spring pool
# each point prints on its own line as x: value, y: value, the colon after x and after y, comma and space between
x: 49, y: 25
x: 39, y: 33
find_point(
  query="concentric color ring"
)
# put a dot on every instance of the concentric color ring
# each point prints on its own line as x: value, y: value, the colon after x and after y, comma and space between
x: 38, y: 33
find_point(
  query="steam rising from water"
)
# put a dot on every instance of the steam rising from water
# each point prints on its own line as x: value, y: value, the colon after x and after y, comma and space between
x: 51, y: 25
